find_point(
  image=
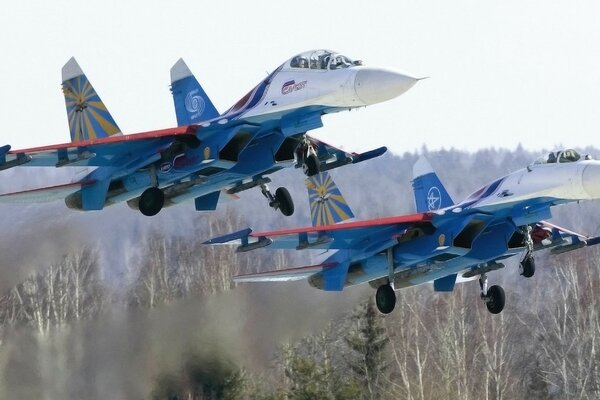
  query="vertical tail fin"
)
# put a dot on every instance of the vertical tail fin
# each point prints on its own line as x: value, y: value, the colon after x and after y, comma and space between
x: 429, y: 192
x: 87, y: 114
x: 327, y: 205
x: 192, y: 105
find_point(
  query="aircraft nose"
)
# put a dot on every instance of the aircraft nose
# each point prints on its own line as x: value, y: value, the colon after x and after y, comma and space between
x: 591, y: 180
x: 374, y: 85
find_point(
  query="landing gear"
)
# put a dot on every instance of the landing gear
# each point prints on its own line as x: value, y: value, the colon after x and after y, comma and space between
x: 281, y: 201
x: 493, y: 297
x: 311, y: 165
x: 385, y: 298
x: 527, y: 267
x: 152, y: 201
x: 306, y: 154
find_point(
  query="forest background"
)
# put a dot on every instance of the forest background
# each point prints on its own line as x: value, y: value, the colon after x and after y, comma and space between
x: 116, y: 305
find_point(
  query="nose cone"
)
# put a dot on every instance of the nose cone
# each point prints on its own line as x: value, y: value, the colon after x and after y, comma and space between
x: 374, y: 85
x: 591, y: 180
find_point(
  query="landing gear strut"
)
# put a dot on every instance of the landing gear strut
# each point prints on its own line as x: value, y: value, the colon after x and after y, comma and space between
x: 281, y: 201
x: 493, y: 296
x: 307, y: 155
x: 152, y: 201
x: 527, y: 265
x: 385, y: 298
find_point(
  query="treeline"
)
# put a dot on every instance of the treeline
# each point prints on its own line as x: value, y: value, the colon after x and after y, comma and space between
x: 543, y: 346
x: 165, y: 321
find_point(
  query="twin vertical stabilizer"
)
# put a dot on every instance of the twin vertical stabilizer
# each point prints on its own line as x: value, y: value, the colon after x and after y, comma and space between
x: 327, y: 205
x: 430, y: 194
x: 192, y: 105
x: 88, y: 116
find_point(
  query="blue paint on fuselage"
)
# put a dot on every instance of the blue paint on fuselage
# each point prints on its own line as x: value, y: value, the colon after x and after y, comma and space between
x: 436, y: 255
x: 267, y: 131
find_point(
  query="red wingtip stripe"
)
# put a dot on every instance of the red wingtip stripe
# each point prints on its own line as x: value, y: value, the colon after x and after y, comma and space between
x: 182, y: 130
x: 402, y: 219
x: 290, y: 270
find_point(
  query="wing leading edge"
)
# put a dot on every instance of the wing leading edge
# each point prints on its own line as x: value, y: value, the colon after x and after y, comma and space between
x: 338, y: 236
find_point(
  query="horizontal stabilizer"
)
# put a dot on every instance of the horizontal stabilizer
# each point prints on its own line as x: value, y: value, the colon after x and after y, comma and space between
x: 353, y: 158
x: 284, y: 275
x: 239, y: 235
x: 367, y: 155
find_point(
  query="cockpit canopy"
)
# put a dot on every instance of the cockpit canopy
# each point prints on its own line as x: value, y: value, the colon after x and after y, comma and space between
x: 322, y: 60
x: 561, y: 156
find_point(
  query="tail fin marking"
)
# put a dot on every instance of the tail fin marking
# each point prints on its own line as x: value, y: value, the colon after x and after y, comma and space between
x: 192, y: 104
x: 88, y: 116
x: 327, y: 205
x: 430, y: 194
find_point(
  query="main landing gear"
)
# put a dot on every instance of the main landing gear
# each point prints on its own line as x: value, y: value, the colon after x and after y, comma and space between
x: 493, y: 296
x: 151, y: 201
x: 385, y: 299
x: 281, y: 201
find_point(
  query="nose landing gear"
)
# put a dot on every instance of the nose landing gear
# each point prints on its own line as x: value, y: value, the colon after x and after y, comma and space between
x: 527, y: 265
x: 306, y: 154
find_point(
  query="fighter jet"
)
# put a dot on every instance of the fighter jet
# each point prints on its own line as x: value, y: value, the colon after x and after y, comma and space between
x: 443, y: 241
x: 211, y: 154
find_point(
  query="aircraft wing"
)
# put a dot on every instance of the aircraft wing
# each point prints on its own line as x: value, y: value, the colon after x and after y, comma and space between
x: 115, y: 151
x: 332, y: 157
x: 48, y: 193
x: 284, y: 275
x: 367, y: 235
x: 560, y: 240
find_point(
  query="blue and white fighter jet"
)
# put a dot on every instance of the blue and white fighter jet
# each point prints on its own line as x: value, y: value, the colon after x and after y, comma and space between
x: 443, y: 240
x: 210, y: 153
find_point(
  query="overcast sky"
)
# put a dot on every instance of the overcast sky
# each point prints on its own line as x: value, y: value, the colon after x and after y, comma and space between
x: 502, y: 72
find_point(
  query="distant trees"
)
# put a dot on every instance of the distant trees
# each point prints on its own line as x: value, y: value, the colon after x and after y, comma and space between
x: 68, y: 291
x: 434, y: 345
x: 367, y: 341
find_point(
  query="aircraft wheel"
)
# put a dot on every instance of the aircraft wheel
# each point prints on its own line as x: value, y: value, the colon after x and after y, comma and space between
x: 527, y: 267
x: 495, y: 299
x: 311, y: 165
x: 152, y: 201
x: 385, y: 298
x: 284, y: 201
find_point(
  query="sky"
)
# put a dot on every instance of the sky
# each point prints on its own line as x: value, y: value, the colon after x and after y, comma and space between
x: 502, y: 73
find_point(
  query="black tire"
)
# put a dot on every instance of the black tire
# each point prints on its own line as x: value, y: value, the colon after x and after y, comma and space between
x: 285, y: 202
x: 496, y: 299
x: 311, y: 165
x: 152, y: 201
x: 527, y: 267
x: 385, y: 299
